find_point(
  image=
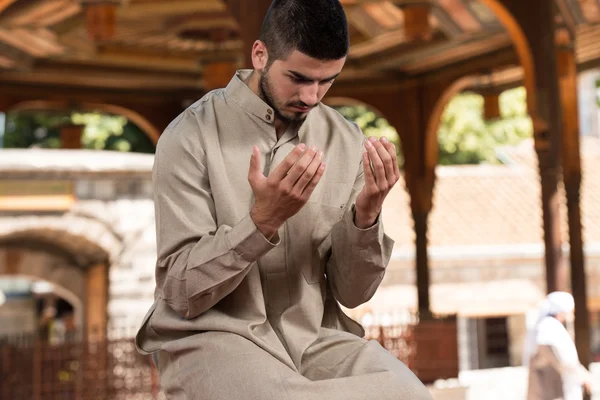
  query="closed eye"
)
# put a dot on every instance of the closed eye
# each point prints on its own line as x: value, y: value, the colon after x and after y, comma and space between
x: 301, y: 80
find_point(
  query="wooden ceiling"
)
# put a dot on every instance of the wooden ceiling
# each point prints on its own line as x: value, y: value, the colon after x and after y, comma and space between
x: 166, y: 45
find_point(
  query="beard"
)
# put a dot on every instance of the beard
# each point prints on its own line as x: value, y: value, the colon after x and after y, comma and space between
x: 266, y: 92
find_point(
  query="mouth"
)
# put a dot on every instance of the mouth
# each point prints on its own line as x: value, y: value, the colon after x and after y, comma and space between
x: 301, y: 109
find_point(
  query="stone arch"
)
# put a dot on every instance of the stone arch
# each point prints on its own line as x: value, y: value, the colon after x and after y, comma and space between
x: 146, y: 126
x: 66, y: 282
x: 73, y: 253
x: 69, y: 230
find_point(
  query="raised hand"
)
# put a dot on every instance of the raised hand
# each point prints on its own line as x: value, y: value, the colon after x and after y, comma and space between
x: 379, y: 180
x: 286, y: 190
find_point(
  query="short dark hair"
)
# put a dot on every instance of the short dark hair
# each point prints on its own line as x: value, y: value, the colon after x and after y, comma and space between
x: 317, y: 28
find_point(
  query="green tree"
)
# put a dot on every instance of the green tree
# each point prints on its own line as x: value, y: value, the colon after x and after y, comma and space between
x: 466, y: 138
x: 372, y: 124
x: 101, y: 132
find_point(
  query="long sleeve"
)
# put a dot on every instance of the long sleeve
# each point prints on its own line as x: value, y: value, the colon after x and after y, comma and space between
x: 199, y: 263
x: 359, y: 257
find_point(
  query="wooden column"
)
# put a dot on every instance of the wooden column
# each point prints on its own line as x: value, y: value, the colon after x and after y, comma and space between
x: 417, y: 103
x: 96, y: 302
x: 540, y: 37
x: 491, y: 106
x: 95, y: 362
x: 250, y: 15
x: 571, y: 163
x: 419, y: 177
x: 70, y: 136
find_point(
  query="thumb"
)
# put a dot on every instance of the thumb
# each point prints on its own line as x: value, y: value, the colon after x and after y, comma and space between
x: 255, y: 173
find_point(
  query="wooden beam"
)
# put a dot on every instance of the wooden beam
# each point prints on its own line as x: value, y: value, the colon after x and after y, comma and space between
x: 386, y: 14
x: 159, y: 61
x: 446, y: 22
x: 397, y: 2
x: 591, y: 11
x: 575, y: 8
x: 461, y: 15
x: 416, y: 22
x: 567, y: 14
x: 364, y: 23
x: 60, y: 75
x: 30, y: 12
x: 173, y: 7
x: 145, y: 101
x: 7, y: 63
x: 498, y: 81
x: 441, y: 53
x: 377, y: 45
x: 5, y: 3
x: 40, y: 39
x: 14, y: 57
x: 8, y: 36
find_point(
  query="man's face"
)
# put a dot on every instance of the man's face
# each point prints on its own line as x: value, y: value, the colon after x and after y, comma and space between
x: 294, y: 86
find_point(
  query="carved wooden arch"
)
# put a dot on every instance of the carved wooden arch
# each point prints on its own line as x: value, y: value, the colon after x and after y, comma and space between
x: 526, y: 60
x: 339, y: 101
x: 146, y: 126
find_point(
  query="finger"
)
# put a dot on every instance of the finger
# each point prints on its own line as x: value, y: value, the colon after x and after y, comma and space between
x: 300, y: 167
x: 283, y: 168
x: 254, y: 173
x: 391, y: 148
x: 386, y: 158
x: 308, y: 190
x: 308, y: 174
x: 378, y: 166
x: 370, y: 183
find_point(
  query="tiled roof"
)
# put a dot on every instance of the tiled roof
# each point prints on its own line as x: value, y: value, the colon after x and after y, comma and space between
x: 487, y: 205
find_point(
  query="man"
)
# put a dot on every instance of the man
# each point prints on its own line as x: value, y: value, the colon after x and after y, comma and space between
x: 253, y: 259
x: 554, y: 368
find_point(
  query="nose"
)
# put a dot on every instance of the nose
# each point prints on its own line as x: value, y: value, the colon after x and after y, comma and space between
x: 309, y: 94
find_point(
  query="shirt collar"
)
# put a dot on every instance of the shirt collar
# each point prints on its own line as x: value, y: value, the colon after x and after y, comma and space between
x: 239, y: 92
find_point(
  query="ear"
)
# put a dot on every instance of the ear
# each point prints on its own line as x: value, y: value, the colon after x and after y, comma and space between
x: 260, y: 56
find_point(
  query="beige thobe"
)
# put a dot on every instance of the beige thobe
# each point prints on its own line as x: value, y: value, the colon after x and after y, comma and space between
x: 239, y: 316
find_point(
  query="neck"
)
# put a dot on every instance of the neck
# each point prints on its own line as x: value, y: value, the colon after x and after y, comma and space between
x: 253, y: 82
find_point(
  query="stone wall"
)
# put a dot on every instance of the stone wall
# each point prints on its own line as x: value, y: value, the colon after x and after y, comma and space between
x: 126, y: 206
x: 112, y: 218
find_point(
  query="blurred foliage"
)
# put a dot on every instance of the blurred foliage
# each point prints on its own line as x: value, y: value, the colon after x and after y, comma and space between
x: 372, y: 124
x: 464, y: 136
x: 101, y: 132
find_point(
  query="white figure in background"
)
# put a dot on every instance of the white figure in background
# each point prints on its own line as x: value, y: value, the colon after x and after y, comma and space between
x: 549, y: 330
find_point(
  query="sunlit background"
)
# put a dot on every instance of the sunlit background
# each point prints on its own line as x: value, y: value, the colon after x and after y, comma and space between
x: 81, y: 109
